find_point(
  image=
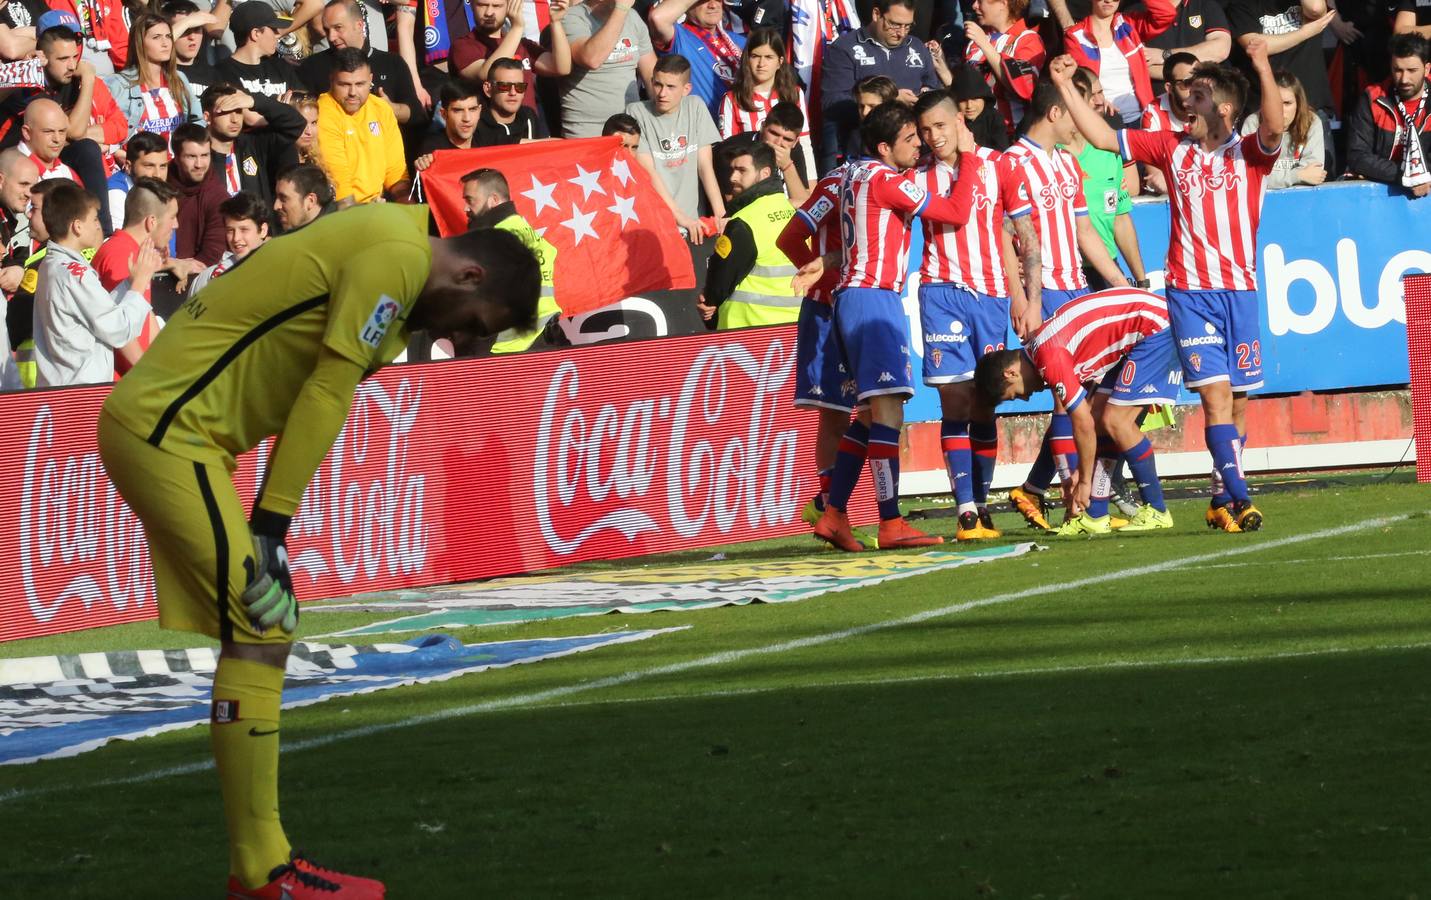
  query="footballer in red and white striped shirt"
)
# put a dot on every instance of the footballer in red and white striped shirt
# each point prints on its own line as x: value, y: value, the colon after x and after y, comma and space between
x: 1049, y: 186
x: 1216, y: 181
x: 971, y: 255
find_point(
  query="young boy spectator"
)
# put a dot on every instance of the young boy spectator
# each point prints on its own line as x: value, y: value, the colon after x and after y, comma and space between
x: 78, y: 324
x: 255, y: 64
x: 151, y: 211
x: 245, y: 229
x: 461, y: 107
x: 505, y: 119
x: 625, y: 127
x: 677, y: 133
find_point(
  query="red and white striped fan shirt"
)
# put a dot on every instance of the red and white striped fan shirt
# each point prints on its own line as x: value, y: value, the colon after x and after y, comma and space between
x: 1022, y: 56
x: 1158, y: 116
x: 733, y: 120
x: 1050, y: 187
x: 821, y: 214
x: 1216, y: 205
x: 970, y: 255
x: 877, y: 203
x: 1088, y: 336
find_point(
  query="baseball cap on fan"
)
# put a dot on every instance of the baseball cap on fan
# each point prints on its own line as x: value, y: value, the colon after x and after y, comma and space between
x: 57, y: 18
x: 249, y: 15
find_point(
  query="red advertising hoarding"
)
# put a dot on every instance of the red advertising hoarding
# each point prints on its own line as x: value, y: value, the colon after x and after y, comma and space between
x: 446, y: 472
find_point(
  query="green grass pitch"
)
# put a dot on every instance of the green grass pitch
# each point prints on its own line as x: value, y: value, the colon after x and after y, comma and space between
x: 1208, y: 715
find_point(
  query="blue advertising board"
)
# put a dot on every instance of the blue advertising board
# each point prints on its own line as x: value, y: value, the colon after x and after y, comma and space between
x: 1329, y: 267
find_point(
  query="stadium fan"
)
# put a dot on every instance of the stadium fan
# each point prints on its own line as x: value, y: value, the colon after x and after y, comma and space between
x: 781, y: 133
x: 488, y: 202
x: 1112, y: 45
x: 343, y: 27
x: 968, y: 282
x: 200, y: 236
x: 358, y: 137
x: 1200, y: 30
x: 504, y: 118
x: 870, y: 92
x: 877, y: 202
x: 1380, y: 145
x: 976, y: 103
x: 1301, y: 160
x: 307, y: 144
x: 246, y: 221
x: 763, y: 80
x: 255, y: 65
x: 151, y: 91
x: 626, y: 128
x: 1049, y: 188
x: 18, y: 173
x: 1170, y: 111
x: 677, y: 134
x: 20, y: 311
x: 151, y: 212
x: 1121, y: 338
x: 302, y: 194
x: 461, y: 106
x: 1211, y: 273
x: 190, y: 27
x: 748, y: 282
x: 168, y: 449
x: 711, y: 41
x: 108, y: 30
x: 43, y: 135
x: 1008, y: 53
x: 610, y: 48
x: 252, y: 138
x: 882, y: 47
x: 78, y: 324
x: 473, y: 53
x: 146, y: 155
x: 1105, y: 176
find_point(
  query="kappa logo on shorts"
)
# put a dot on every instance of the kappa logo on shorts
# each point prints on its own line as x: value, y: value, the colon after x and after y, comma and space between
x: 377, y: 325
x: 884, y: 378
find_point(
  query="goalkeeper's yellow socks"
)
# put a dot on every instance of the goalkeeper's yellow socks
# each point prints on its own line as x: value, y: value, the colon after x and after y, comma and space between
x: 244, y: 732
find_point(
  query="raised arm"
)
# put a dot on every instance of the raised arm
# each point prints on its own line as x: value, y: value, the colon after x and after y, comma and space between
x: 1269, y: 115
x: 506, y: 48
x: 1094, y: 128
x: 1280, y: 43
x: 557, y: 60
x: 662, y: 21
x: 591, y: 52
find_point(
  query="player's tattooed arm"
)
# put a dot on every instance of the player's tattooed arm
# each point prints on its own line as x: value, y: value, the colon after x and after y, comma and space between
x: 1027, y: 240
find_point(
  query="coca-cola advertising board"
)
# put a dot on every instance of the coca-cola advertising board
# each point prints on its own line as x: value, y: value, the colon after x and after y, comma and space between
x: 446, y: 472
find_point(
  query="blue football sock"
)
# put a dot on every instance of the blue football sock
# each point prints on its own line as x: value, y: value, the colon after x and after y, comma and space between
x: 984, y: 443
x: 959, y: 460
x: 849, y: 460
x: 1145, y: 471
x: 884, y: 468
x: 1061, y: 445
x: 1222, y: 442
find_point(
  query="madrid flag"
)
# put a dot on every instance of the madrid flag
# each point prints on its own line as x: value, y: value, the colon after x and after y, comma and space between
x: 615, y: 237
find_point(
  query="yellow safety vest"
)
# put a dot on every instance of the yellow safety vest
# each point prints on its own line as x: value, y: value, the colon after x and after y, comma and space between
x: 764, y: 297
x: 512, y: 341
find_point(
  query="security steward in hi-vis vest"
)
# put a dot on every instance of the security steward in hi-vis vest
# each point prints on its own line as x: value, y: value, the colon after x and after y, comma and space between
x: 749, y: 277
x: 506, y: 217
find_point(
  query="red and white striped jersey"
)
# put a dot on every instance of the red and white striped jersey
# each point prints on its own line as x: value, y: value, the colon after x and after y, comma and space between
x: 1215, y: 201
x: 1088, y: 336
x: 1158, y: 116
x: 877, y: 203
x: 1049, y: 185
x: 970, y: 255
x: 55, y: 169
x: 821, y: 214
x: 733, y: 120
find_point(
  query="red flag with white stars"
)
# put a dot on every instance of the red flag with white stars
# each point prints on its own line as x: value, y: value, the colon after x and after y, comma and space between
x: 615, y: 237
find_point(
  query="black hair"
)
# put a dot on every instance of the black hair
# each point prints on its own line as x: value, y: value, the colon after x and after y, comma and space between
x: 989, y: 379
x: 215, y: 93
x: 512, y: 277
x: 621, y: 123
x: 147, y: 197
x: 884, y: 5
x: 1181, y: 58
x: 309, y: 179
x: 1045, y: 98
x: 1405, y: 46
x: 188, y: 133
x: 53, y: 35
x: 883, y: 125
x: 505, y: 62
x: 673, y: 64
x: 144, y: 142
x: 491, y: 180
x: 350, y: 59
x: 457, y: 89
x: 245, y: 205
x: 787, y: 115
x: 760, y: 153
x: 930, y: 99
x: 1227, y: 83
x: 66, y: 204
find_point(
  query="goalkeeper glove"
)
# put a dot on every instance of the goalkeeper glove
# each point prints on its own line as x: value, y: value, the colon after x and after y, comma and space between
x: 269, y: 598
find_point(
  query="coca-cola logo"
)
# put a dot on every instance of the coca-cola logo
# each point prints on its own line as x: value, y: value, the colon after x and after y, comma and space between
x: 364, y: 514
x: 599, y: 462
x: 78, y: 539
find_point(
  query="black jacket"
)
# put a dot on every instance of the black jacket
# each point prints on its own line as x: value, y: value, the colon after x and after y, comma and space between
x: 265, y: 152
x: 1371, y: 136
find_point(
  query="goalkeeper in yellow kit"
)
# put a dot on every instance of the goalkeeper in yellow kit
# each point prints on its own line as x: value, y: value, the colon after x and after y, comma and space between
x: 277, y: 347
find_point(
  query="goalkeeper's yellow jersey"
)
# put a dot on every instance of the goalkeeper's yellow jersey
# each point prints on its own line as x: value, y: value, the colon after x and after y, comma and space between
x: 224, y: 372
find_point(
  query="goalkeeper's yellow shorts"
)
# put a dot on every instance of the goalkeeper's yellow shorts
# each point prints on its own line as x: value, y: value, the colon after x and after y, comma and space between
x: 197, y: 532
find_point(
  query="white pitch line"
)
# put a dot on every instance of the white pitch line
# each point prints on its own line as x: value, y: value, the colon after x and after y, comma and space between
x: 536, y: 698
x: 1319, y: 559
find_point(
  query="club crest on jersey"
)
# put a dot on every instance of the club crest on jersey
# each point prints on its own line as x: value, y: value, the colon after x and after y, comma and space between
x: 1195, y: 360
x: 250, y: 167
x: 383, y: 314
x: 375, y: 128
x: 1195, y: 21
x: 913, y: 60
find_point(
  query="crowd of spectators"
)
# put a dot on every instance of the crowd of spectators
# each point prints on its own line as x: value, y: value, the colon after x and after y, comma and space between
x: 196, y: 131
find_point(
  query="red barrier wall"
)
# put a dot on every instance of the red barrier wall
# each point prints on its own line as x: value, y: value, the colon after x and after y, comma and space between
x: 446, y: 472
